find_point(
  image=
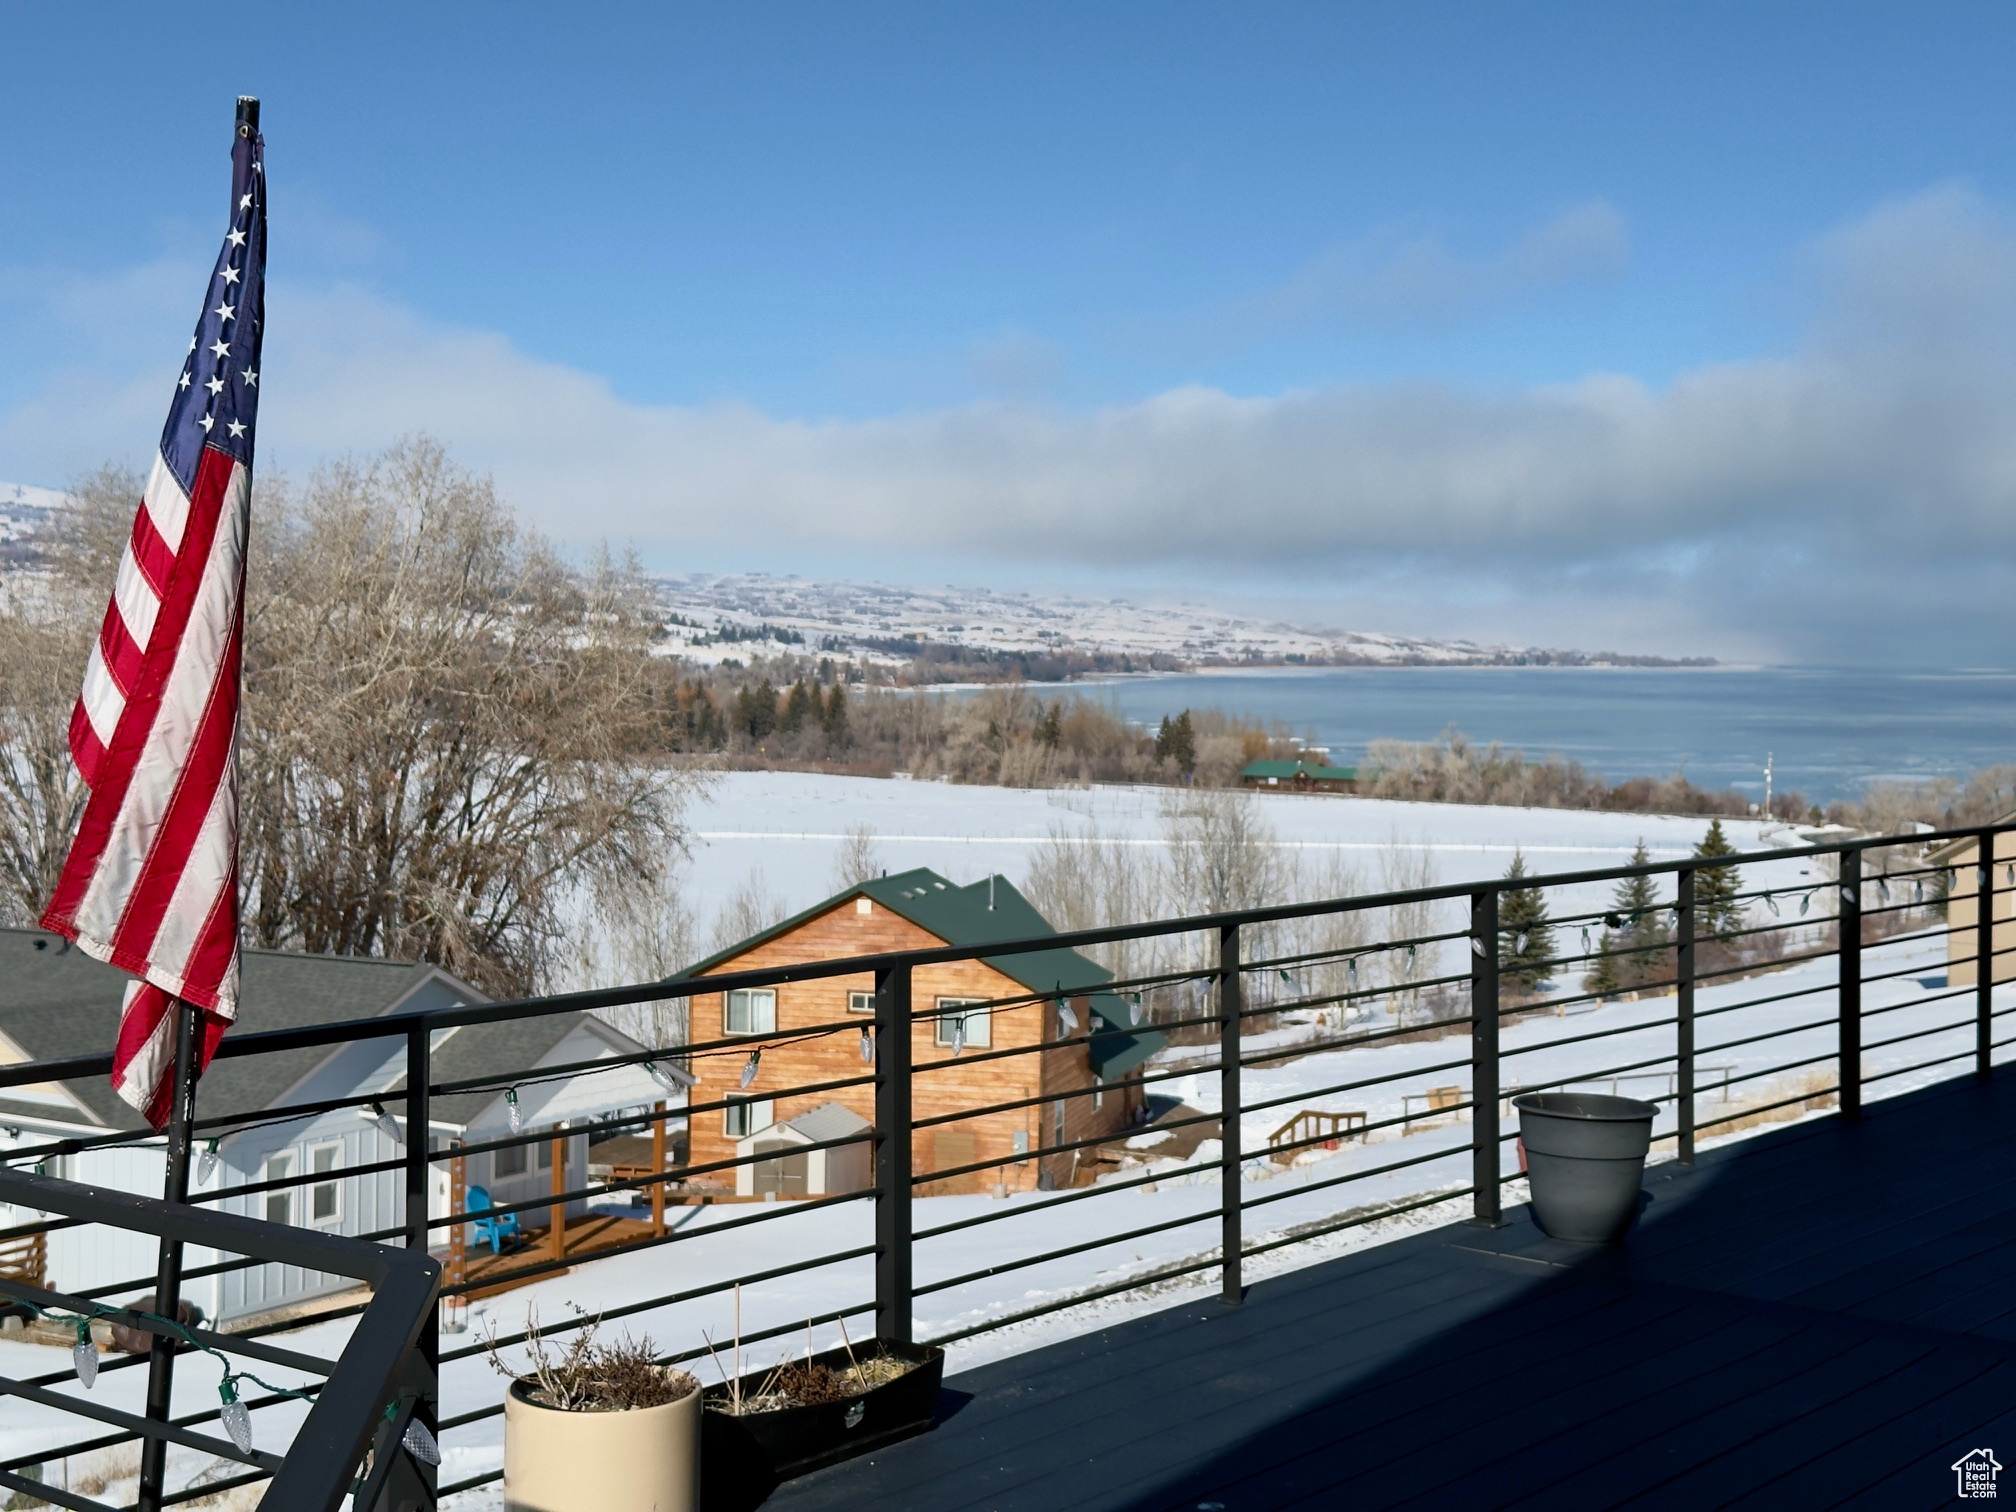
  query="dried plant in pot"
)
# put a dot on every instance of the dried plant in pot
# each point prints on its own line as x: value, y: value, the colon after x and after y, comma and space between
x: 598, y: 1427
x: 767, y: 1426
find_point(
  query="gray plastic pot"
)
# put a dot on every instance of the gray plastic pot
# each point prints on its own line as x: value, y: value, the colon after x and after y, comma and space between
x: 1585, y: 1161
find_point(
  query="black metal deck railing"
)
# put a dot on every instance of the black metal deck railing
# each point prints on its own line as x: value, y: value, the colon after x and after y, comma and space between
x: 358, y: 1436
x: 1773, y: 1007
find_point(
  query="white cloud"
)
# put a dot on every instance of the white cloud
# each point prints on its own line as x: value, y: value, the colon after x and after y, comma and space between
x: 1768, y: 503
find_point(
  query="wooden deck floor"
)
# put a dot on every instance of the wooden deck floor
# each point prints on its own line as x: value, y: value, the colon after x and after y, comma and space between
x: 1821, y: 1316
x: 584, y: 1237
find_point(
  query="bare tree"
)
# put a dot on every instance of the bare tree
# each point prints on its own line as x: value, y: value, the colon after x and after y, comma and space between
x: 1334, y: 940
x: 858, y: 860
x: 750, y: 909
x: 1407, y: 869
x: 48, y: 618
x: 1222, y: 853
x: 639, y: 930
x: 1086, y: 879
x: 443, y: 725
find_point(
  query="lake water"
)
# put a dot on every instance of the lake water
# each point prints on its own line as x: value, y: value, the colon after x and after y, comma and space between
x: 1829, y: 730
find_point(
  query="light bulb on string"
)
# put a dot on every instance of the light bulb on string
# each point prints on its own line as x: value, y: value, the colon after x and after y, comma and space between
x: 867, y: 1047
x: 420, y: 1443
x: 237, y: 1419
x: 385, y: 1122
x: 206, y: 1164
x: 511, y: 1109
x: 84, y: 1355
x: 958, y: 1033
x: 1883, y: 889
x: 1918, y: 892
x: 1771, y: 902
x: 1287, y: 978
x: 1067, y: 1020
x: 749, y: 1070
x: 1585, y: 939
x: 671, y: 1078
x: 1351, y: 970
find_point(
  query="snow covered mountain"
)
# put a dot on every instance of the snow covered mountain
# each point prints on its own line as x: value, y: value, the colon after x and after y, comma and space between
x: 732, y: 614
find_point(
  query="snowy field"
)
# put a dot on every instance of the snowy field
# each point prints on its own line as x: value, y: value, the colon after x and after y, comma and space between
x: 786, y: 830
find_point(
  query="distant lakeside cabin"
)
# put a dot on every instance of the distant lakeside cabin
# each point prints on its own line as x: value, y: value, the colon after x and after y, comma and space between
x: 1299, y: 777
x: 949, y: 1048
x: 1962, y: 917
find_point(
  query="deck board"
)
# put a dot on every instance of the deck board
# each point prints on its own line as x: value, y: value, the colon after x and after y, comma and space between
x: 1821, y: 1315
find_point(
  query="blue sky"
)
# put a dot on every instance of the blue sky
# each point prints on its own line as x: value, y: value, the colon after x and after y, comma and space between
x: 1671, y: 327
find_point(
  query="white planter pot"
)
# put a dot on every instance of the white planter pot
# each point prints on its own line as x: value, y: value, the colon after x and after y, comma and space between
x: 644, y: 1460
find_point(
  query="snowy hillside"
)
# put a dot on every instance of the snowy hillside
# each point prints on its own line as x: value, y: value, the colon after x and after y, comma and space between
x: 24, y: 512
x: 889, y: 624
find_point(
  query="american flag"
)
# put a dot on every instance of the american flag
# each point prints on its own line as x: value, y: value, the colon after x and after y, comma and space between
x: 151, y: 881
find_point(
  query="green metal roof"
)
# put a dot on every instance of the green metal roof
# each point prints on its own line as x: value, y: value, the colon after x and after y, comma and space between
x: 991, y: 909
x: 1308, y: 770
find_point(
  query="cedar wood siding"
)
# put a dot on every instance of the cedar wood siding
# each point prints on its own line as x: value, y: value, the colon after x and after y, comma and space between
x: 941, y: 1085
x: 1962, y: 920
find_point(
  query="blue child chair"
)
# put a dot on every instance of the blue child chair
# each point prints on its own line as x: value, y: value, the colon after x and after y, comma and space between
x: 496, y: 1228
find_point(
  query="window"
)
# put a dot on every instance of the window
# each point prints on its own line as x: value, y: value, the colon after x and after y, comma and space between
x: 325, y: 1198
x: 860, y: 1002
x: 1098, y: 1094
x: 863, y: 906
x: 750, y: 1010
x: 1057, y: 1123
x: 509, y: 1162
x: 544, y: 1154
x: 745, y: 1117
x: 280, y: 1203
x: 979, y: 1022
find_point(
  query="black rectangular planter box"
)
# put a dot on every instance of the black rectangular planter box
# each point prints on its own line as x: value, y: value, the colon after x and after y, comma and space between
x: 743, y: 1459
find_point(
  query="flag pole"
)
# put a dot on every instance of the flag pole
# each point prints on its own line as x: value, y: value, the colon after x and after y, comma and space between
x: 175, y: 1186
x: 168, y: 1275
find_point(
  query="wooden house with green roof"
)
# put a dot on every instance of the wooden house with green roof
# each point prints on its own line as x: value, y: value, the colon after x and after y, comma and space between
x: 1078, y: 1083
x: 1301, y: 776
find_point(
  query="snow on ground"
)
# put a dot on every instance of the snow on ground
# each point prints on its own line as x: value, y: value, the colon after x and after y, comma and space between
x: 1181, y: 1208
x: 787, y: 829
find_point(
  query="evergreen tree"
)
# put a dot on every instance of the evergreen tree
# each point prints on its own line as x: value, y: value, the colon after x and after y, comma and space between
x: 1525, y: 938
x: 1716, y: 911
x: 756, y: 710
x: 1176, y: 743
x: 800, y: 705
x: 838, y: 736
x: 1050, y: 728
x: 1637, y: 926
x: 1604, y: 977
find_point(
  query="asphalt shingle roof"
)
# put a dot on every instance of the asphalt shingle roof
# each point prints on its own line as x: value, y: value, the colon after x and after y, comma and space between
x: 56, y: 1001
